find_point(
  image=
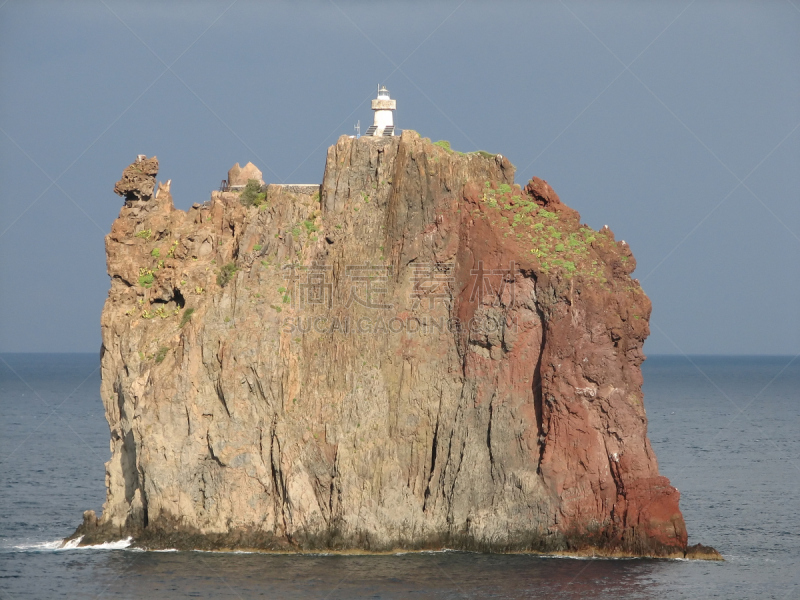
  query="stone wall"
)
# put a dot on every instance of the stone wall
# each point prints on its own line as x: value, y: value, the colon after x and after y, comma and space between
x: 301, y: 188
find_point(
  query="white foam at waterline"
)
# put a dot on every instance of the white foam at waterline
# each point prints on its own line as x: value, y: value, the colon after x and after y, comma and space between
x: 60, y: 545
x: 39, y: 546
x: 69, y: 544
x: 441, y: 551
x: 116, y: 545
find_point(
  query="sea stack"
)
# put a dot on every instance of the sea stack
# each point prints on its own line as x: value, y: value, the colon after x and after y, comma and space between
x: 417, y: 354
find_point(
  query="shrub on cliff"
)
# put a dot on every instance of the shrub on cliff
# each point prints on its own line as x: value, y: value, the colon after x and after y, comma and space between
x: 225, y: 274
x: 161, y: 354
x: 187, y: 314
x: 252, y: 194
x: 146, y: 277
x: 443, y: 144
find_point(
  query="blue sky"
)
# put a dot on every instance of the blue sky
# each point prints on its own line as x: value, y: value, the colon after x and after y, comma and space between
x: 675, y: 123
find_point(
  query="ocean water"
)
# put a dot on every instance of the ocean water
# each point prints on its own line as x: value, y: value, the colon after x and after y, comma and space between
x: 726, y: 432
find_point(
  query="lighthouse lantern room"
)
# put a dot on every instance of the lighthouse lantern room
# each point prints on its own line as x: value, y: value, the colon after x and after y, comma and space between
x: 383, y: 125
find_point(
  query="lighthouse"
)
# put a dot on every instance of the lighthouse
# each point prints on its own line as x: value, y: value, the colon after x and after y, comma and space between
x: 383, y: 125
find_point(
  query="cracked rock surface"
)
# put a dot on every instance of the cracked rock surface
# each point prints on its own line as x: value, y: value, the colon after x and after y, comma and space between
x: 452, y: 361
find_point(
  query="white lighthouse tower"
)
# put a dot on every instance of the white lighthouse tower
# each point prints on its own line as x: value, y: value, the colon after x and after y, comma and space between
x: 383, y: 125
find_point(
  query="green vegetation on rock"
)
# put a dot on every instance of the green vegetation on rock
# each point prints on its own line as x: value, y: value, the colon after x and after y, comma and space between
x: 252, y: 194
x: 187, y: 314
x: 554, y: 242
x: 443, y: 144
x: 161, y: 354
x: 225, y: 274
x: 146, y: 277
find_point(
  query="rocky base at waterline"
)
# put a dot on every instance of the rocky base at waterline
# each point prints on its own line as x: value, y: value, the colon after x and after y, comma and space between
x: 170, y: 535
x: 420, y: 355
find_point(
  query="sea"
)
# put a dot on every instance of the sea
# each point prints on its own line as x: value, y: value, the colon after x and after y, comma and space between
x: 726, y: 431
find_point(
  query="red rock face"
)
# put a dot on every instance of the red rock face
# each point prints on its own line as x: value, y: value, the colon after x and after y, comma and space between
x: 585, y: 423
x: 518, y: 427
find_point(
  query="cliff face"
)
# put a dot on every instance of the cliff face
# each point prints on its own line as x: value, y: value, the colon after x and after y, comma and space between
x: 423, y: 355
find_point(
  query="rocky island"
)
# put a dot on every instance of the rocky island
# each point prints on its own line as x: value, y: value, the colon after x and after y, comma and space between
x: 417, y: 354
